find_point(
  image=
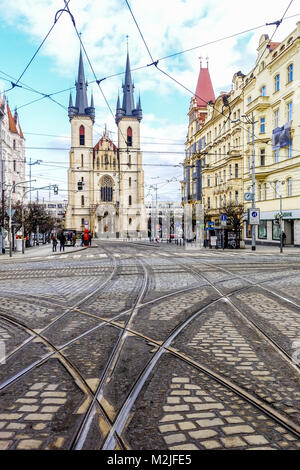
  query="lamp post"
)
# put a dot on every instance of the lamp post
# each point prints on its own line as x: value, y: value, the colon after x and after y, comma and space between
x: 10, y: 214
x: 37, y: 162
x: 252, y: 122
x: 51, y: 186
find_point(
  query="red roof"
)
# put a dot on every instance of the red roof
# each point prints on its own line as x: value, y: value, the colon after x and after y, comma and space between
x: 99, y: 144
x: 204, y: 91
x: 11, y: 121
x: 273, y: 45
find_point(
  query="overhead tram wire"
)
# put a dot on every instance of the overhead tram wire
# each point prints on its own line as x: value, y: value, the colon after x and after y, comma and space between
x: 160, y: 59
x: 92, y: 68
x: 16, y: 83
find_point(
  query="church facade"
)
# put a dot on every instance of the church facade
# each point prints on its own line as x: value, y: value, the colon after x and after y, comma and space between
x: 105, y: 181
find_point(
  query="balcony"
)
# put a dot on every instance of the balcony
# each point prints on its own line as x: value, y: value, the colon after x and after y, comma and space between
x: 259, y: 104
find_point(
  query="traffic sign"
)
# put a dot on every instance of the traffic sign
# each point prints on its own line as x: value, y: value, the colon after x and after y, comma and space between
x: 223, y: 219
x: 12, y: 213
x: 248, y: 196
x: 253, y: 216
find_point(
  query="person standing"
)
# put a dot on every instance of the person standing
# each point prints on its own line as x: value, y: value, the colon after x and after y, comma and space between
x: 283, y: 238
x: 54, y: 243
x: 82, y: 239
x: 62, y: 240
x: 74, y: 239
x: 90, y: 239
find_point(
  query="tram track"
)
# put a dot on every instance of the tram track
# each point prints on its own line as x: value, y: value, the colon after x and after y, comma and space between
x: 117, y: 426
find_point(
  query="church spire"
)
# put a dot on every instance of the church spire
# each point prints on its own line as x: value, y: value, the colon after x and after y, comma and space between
x: 81, y: 88
x: 81, y: 107
x: 128, y: 107
x: 128, y: 99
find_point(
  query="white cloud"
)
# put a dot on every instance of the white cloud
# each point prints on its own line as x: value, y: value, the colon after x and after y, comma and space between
x: 168, y: 26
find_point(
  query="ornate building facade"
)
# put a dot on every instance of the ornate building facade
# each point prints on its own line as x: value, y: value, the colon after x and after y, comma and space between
x: 12, y: 152
x: 105, y: 181
x: 221, y: 142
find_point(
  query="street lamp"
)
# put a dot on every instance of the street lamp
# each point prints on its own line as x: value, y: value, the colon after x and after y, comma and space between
x: 252, y: 122
x: 37, y: 162
x: 10, y: 214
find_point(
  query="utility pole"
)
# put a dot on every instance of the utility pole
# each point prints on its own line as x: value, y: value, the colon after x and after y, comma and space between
x: 253, y: 181
x: 280, y: 221
x: 2, y: 185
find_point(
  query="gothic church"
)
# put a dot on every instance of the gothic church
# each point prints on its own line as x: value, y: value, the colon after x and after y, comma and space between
x: 105, y: 182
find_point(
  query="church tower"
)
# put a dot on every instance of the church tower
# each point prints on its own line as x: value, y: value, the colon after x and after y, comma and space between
x: 80, y: 177
x: 128, y: 118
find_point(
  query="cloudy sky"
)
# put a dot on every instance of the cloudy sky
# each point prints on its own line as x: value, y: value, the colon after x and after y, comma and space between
x: 168, y: 26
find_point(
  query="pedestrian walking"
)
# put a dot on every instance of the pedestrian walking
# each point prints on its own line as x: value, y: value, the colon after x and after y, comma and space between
x: 54, y: 242
x: 82, y: 239
x: 62, y: 240
x: 90, y: 239
x: 74, y: 239
x: 283, y: 238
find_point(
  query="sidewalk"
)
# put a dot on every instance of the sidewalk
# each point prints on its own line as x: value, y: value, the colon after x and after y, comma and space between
x: 41, y: 251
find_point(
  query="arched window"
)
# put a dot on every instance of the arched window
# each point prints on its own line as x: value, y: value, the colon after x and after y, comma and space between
x: 129, y: 137
x: 106, y: 184
x: 81, y: 135
x: 129, y: 200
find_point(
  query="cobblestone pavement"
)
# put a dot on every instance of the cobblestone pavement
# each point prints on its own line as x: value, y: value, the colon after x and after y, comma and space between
x: 150, y: 347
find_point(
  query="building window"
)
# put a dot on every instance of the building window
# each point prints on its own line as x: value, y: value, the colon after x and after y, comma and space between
x: 98, y: 163
x: 266, y: 191
x: 236, y: 198
x: 208, y: 181
x: 263, y: 91
x: 262, y: 229
x: 290, y: 149
x: 276, y: 118
x: 129, y: 181
x: 82, y: 200
x: 129, y: 137
x: 276, y: 156
x: 230, y: 172
x: 290, y: 73
x: 106, y: 184
x: 129, y: 161
x: 260, y: 192
x: 249, y: 134
x: 249, y: 99
x: 81, y: 135
x: 81, y: 159
x: 129, y: 200
x: 236, y: 170
x: 208, y: 203
x: 82, y: 222
x: 275, y: 231
x: 276, y: 190
x: 14, y: 144
x: 15, y: 165
x: 289, y: 187
x: 277, y: 82
x: 14, y: 187
x: 290, y: 111
x: 262, y: 125
x: 262, y: 157
x: 130, y: 220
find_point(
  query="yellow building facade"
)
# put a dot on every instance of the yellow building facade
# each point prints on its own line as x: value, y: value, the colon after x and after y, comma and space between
x: 220, y: 145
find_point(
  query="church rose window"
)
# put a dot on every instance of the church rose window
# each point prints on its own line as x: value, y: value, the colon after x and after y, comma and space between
x: 129, y: 137
x: 106, y: 189
x: 81, y: 135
